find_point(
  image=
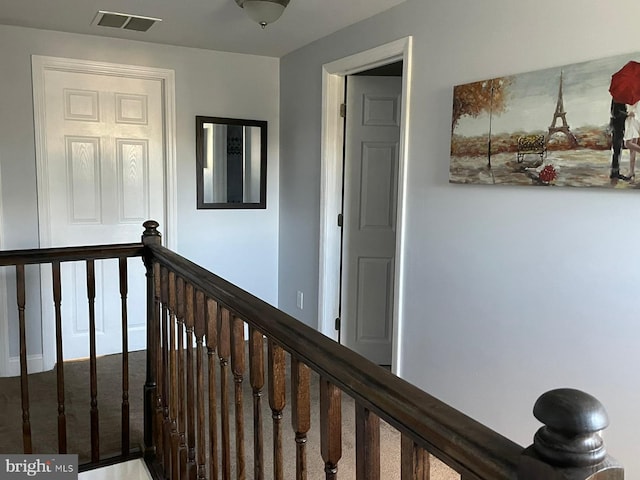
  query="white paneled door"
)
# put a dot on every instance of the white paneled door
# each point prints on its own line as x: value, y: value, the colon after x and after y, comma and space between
x: 103, y: 173
x: 370, y: 200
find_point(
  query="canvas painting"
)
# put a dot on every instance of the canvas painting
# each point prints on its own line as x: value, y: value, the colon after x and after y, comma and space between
x: 577, y: 126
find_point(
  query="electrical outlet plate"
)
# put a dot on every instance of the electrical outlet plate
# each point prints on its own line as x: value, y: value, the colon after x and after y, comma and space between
x: 300, y: 300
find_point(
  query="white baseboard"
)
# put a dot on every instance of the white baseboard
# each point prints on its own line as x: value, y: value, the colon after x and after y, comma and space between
x: 34, y: 365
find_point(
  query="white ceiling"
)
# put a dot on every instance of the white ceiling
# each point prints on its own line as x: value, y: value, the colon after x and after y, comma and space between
x: 211, y: 24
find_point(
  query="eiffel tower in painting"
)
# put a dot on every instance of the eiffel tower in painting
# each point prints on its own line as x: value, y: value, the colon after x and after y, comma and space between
x: 562, y: 115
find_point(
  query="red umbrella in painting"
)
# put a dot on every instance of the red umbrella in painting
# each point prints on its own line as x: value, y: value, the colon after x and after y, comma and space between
x: 625, y: 84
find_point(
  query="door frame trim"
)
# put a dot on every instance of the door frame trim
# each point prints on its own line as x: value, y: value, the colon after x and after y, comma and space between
x: 4, y: 312
x: 40, y: 64
x: 333, y: 84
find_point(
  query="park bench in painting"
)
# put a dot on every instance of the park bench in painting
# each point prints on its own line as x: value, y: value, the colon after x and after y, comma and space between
x: 531, y: 144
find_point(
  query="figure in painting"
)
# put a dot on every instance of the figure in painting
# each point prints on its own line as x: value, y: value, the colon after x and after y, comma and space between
x: 616, y: 123
x: 632, y: 136
x: 625, y: 88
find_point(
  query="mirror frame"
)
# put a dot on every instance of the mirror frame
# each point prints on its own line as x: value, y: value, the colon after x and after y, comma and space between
x: 200, y: 162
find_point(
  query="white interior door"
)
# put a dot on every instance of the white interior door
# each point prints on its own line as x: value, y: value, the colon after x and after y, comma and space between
x: 105, y: 177
x: 370, y: 199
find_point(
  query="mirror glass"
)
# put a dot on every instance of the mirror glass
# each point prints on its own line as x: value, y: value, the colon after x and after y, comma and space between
x: 231, y: 162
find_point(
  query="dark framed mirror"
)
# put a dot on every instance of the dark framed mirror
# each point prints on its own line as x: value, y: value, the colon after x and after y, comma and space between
x: 231, y: 163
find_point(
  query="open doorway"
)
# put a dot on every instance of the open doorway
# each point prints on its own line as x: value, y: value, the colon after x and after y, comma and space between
x: 333, y: 136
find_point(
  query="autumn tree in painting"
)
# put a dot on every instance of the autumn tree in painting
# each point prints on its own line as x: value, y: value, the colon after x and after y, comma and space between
x: 474, y: 98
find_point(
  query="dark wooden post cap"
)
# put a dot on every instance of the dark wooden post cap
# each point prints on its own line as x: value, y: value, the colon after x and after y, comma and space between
x: 573, y: 420
x: 569, y: 445
x: 151, y: 235
x: 571, y: 411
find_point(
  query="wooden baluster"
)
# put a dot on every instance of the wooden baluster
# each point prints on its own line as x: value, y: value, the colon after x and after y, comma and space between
x: 238, y: 368
x: 166, y: 380
x: 277, y: 402
x: 200, y: 329
x: 182, y: 419
x: 124, y: 290
x: 224, y: 352
x: 256, y: 373
x: 200, y: 423
x: 149, y: 237
x: 173, y: 372
x: 212, y: 341
x: 414, y: 461
x: 159, y: 417
x: 57, y: 301
x: 191, y: 407
x: 367, y: 444
x: 330, y: 427
x: 24, y: 382
x: 300, y: 413
x: 91, y: 297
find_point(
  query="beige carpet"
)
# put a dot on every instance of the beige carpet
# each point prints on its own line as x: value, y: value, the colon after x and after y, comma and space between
x: 43, y: 415
x: 44, y: 407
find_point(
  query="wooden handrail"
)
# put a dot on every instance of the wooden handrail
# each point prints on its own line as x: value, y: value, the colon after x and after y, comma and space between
x: 69, y: 254
x: 469, y: 447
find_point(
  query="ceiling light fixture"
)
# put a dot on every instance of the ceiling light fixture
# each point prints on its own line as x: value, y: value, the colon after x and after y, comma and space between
x: 263, y: 12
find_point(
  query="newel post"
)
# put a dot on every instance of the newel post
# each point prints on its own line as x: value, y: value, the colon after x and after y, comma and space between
x: 150, y: 236
x: 569, y: 445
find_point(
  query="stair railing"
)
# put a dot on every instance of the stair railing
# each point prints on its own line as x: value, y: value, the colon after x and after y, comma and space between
x: 210, y: 342
x: 54, y: 258
x: 188, y: 305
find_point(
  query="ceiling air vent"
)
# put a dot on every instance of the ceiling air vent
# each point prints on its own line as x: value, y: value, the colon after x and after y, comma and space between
x: 124, y: 21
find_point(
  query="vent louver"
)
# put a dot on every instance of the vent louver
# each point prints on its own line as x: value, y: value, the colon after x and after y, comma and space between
x: 124, y: 21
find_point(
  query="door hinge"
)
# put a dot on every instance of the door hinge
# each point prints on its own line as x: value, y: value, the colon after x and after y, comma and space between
x: 340, y: 219
x: 338, y: 323
x: 343, y: 110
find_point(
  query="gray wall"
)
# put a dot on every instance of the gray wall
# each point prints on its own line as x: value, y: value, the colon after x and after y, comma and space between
x: 238, y: 245
x: 509, y: 291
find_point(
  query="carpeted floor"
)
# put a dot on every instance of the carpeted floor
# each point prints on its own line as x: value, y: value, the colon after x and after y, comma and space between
x: 43, y: 416
x: 43, y: 410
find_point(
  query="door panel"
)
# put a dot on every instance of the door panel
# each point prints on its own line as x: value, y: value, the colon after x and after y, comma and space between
x: 133, y: 166
x: 378, y: 186
x: 83, y: 188
x: 370, y: 201
x: 375, y: 285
